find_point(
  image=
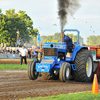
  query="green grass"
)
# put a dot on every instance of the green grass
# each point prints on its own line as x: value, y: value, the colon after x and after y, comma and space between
x: 77, y: 96
x: 13, y: 66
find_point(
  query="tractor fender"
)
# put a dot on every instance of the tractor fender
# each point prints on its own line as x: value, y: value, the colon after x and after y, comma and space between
x: 76, y: 50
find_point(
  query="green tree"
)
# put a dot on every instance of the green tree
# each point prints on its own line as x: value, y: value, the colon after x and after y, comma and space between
x: 92, y: 40
x: 49, y: 37
x: 98, y: 40
x: 43, y: 38
x: 11, y: 22
x: 57, y: 36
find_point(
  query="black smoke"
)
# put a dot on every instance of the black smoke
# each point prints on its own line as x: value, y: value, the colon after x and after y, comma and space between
x: 65, y: 8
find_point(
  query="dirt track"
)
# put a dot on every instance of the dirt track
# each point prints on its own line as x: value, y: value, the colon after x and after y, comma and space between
x: 14, y: 84
x: 13, y: 61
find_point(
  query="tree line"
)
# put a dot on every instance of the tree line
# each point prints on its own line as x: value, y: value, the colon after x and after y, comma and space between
x: 57, y: 37
x: 11, y: 22
x: 93, y: 40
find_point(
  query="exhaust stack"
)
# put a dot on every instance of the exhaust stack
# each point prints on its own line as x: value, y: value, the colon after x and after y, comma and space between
x: 61, y: 37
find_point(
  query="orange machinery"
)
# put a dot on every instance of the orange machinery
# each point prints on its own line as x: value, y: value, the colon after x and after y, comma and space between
x: 97, y: 59
x: 97, y: 51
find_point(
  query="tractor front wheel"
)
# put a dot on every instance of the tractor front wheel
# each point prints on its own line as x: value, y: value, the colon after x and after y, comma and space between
x: 64, y: 73
x: 32, y: 73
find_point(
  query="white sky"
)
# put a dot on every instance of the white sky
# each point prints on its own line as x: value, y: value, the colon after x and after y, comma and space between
x: 44, y: 15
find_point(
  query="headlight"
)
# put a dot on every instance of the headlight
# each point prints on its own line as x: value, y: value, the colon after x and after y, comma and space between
x: 39, y: 59
x: 58, y: 59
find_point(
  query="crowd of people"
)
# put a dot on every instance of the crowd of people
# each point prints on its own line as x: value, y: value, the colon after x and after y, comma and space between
x: 33, y: 52
x: 5, y: 50
x: 9, y: 50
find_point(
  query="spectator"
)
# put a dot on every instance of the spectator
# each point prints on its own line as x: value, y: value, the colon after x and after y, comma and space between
x: 1, y: 50
x: 30, y: 53
x: 17, y: 51
x: 4, y: 50
x: 10, y: 50
x: 23, y: 54
x: 14, y: 51
x: 36, y: 53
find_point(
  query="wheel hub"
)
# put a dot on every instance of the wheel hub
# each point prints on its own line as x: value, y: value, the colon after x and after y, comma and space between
x: 89, y: 67
x: 35, y: 73
x: 67, y: 72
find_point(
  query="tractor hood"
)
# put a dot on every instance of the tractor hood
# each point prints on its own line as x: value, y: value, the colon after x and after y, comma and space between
x: 55, y: 45
x: 51, y: 50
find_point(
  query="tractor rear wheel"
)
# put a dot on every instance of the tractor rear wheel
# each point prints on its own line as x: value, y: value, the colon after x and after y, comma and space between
x: 32, y: 73
x: 64, y: 73
x: 98, y: 77
x: 84, y: 66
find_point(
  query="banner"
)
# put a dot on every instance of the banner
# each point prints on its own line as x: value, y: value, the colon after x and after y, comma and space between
x: 11, y: 56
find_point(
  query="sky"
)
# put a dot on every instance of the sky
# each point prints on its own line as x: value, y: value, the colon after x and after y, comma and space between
x: 44, y: 14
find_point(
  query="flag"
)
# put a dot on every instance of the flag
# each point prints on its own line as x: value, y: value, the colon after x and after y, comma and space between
x: 19, y: 37
x: 38, y: 39
x: 19, y: 40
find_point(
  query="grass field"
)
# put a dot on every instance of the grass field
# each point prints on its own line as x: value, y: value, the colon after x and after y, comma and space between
x: 77, y: 96
x: 13, y: 66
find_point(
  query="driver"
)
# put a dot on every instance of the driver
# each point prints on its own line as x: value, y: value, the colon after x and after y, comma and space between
x: 68, y: 42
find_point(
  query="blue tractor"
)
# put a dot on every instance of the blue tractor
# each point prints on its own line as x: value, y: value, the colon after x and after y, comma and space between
x: 60, y: 63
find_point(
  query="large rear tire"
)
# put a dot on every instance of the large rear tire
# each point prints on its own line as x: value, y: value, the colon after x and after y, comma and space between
x: 98, y: 77
x: 84, y: 66
x: 32, y: 73
x: 64, y: 73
